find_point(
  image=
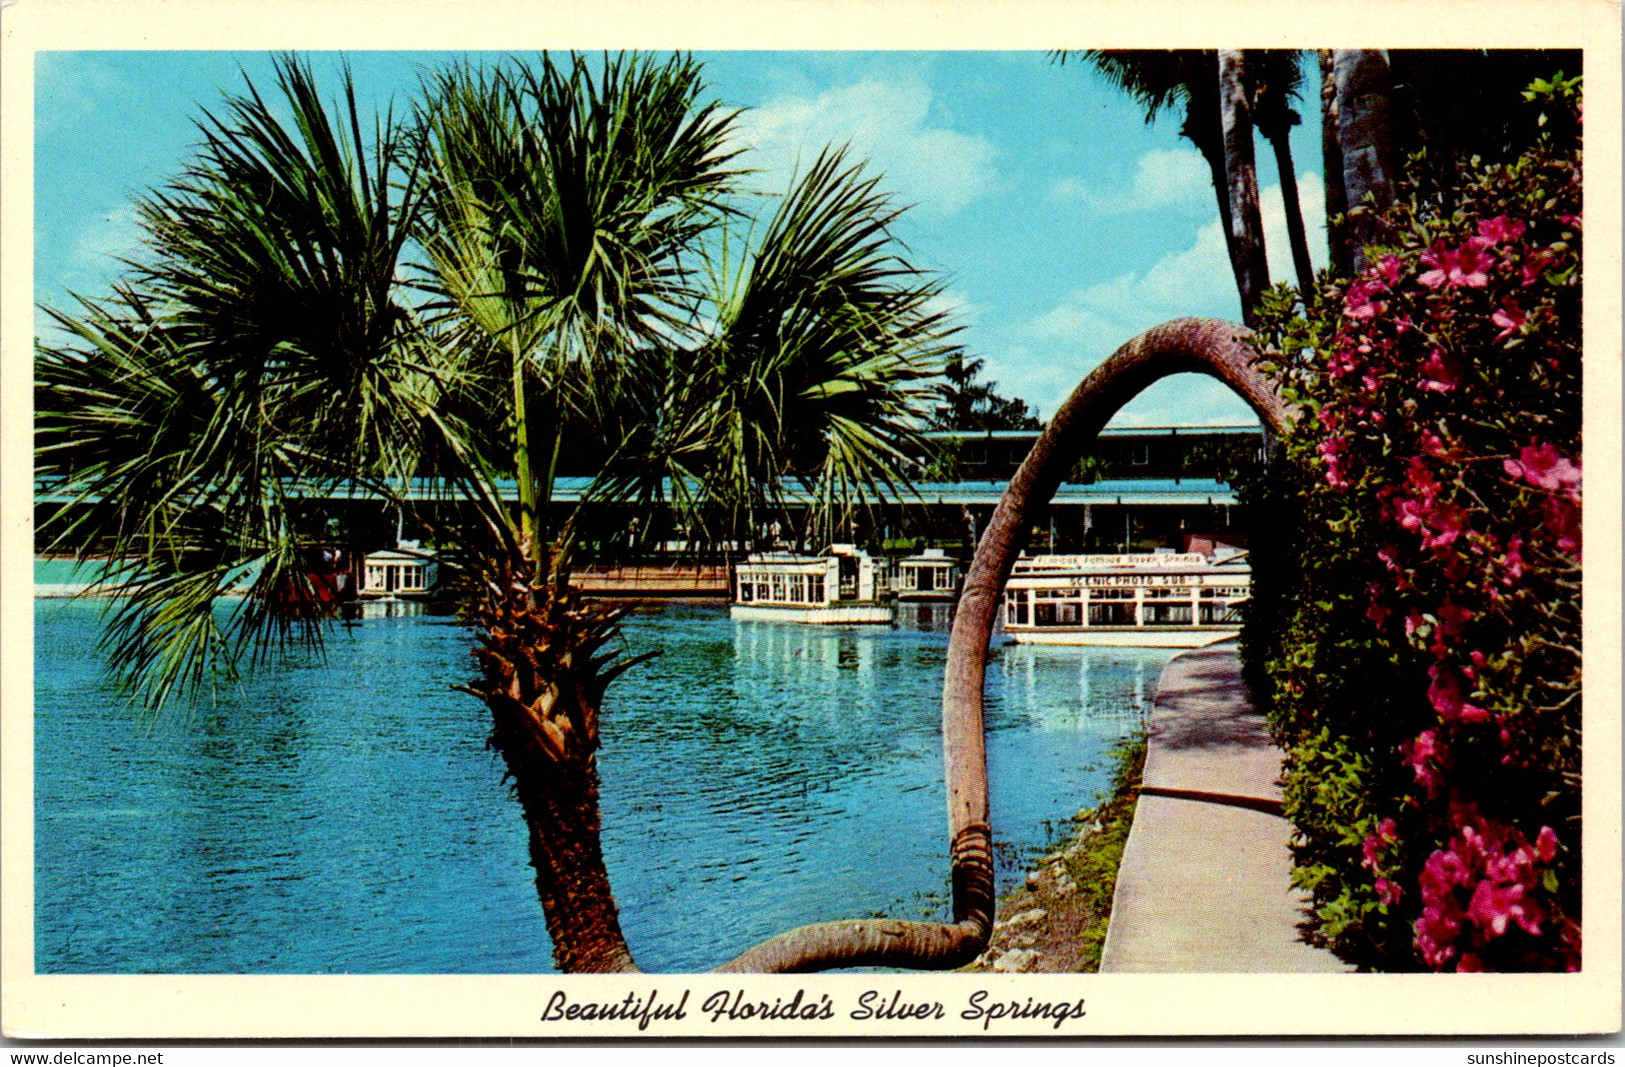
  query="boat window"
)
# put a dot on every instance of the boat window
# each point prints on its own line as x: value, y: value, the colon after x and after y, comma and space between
x: 1120, y: 614
x: 1171, y: 614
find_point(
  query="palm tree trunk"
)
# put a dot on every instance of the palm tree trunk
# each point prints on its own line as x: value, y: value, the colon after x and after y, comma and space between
x: 1302, y: 266
x: 1366, y: 137
x: 543, y: 682
x: 1221, y: 193
x: 1246, y: 221
x: 1331, y: 152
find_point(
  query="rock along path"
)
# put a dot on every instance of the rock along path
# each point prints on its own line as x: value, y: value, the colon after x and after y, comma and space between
x: 1204, y: 884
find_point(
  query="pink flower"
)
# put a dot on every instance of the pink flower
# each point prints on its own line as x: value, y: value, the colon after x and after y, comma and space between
x: 1512, y: 563
x: 1544, y: 467
x: 1445, y: 694
x: 1331, y: 450
x: 1446, y: 523
x: 1510, y: 318
x: 1501, y: 229
x: 1546, y: 844
x: 1534, y: 266
x: 1436, y: 932
x: 1361, y: 302
x: 1370, y: 850
x: 1425, y: 756
x: 1453, y: 618
x: 1433, y: 445
x: 1441, y: 373
x: 1563, y: 523
x: 1452, y: 267
x: 1419, y: 479
x: 1376, y: 611
x: 1388, y: 892
x: 1413, y: 514
x: 1494, y: 905
x: 1388, y: 269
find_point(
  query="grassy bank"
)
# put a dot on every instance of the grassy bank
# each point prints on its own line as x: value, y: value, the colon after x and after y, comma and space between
x: 1057, y: 921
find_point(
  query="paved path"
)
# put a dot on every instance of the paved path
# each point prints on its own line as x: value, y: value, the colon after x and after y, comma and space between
x: 1204, y: 884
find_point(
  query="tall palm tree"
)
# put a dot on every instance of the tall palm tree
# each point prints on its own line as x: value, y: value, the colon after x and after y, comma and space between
x: 1246, y: 221
x: 1158, y: 79
x: 267, y: 343
x: 1275, y: 78
x: 1365, y: 129
x: 1331, y: 155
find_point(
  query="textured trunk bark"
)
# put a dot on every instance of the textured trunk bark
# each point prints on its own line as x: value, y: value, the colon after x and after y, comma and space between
x: 543, y: 679
x: 1331, y: 150
x: 1366, y: 136
x: 1241, y: 174
x: 571, y: 879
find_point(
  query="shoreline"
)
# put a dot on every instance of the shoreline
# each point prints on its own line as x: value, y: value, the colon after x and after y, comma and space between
x: 1055, y: 923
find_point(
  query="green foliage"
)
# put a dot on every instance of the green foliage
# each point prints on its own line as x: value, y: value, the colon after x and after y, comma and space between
x: 1415, y: 627
x: 271, y: 339
x: 1094, y: 863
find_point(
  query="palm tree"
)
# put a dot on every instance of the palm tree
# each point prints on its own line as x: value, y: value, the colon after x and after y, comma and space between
x: 261, y: 346
x: 1158, y: 79
x: 1366, y: 138
x: 1331, y: 154
x: 968, y: 404
x: 268, y: 345
x: 1246, y: 222
x: 1275, y: 76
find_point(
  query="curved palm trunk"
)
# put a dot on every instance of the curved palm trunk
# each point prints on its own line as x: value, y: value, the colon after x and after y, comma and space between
x: 1366, y: 136
x: 543, y: 679
x: 1246, y: 221
x: 1206, y: 345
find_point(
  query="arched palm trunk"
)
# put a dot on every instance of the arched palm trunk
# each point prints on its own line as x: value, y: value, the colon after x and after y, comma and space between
x: 1205, y: 345
x: 1209, y: 346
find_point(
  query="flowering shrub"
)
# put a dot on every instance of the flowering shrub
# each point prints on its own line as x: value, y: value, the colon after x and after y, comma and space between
x: 1416, y: 632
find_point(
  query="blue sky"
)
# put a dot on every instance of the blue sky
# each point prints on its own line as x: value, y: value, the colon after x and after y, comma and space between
x: 1062, y: 224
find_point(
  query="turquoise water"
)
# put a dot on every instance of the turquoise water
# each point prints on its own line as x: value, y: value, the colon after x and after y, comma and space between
x: 343, y: 815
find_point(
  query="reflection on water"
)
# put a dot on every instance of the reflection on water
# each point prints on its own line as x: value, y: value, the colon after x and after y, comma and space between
x: 345, y: 816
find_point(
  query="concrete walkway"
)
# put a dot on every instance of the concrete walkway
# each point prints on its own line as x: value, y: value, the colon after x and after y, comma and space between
x: 1205, y: 880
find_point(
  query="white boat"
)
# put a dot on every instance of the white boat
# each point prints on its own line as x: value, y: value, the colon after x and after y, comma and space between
x: 931, y: 575
x: 1161, y: 600
x: 840, y: 588
x: 406, y: 572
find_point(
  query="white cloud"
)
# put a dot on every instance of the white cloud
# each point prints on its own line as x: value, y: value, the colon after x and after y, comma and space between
x: 114, y: 235
x: 1089, y: 323
x: 956, y: 305
x: 1162, y: 177
x: 925, y: 162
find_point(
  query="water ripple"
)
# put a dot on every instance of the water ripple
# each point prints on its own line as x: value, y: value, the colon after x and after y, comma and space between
x: 344, y: 815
